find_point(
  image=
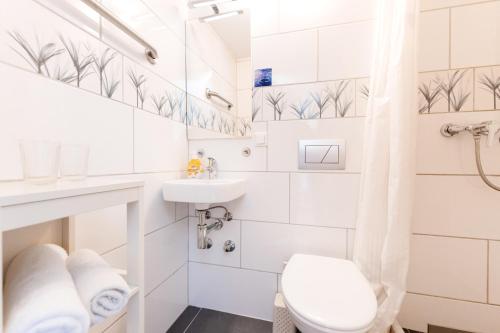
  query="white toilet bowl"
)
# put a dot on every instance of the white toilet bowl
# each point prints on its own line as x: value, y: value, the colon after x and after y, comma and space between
x: 327, y: 295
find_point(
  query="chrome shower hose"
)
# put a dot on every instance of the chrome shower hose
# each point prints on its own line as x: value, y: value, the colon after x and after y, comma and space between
x: 477, y: 145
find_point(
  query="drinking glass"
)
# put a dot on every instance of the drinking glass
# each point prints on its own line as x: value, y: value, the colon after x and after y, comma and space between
x: 74, y: 161
x: 40, y: 160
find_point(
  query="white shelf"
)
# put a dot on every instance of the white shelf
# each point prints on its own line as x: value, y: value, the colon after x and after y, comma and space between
x: 15, y: 193
x: 23, y: 204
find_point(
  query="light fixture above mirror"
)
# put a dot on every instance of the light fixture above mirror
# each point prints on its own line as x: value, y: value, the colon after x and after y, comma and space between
x: 220, y: 16
x: 204, y: 3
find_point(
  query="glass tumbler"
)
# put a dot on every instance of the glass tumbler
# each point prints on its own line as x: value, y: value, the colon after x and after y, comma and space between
x: 74, y: 161
x: 40, y: 160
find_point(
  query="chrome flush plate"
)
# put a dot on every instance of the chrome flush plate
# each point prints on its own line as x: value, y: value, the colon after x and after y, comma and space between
x: 322, y: 154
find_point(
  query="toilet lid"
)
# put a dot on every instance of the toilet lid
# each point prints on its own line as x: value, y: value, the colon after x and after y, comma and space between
x: 328, y: 292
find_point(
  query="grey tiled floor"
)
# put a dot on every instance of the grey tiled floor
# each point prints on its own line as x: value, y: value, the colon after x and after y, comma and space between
x: 196, y: 320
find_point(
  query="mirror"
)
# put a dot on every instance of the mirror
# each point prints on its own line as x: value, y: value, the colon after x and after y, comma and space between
x: 218, y: 69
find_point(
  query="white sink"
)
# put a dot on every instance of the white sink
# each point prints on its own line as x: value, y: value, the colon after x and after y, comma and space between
x: 203, y: 192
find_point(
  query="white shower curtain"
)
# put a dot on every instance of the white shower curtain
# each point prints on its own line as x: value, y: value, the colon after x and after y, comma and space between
x: 381, y: 247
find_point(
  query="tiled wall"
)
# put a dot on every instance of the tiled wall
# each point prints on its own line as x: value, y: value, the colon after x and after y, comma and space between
x: 317, y: 50
x: 133, y: 130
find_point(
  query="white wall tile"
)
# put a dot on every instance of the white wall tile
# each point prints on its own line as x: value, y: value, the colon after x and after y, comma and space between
x: 75, y: 12
x: 494, y: 273
x: 266, y: 198
x: 292, y: 56
x: 171, y: 49
x: 484, y: 98
x: 157, y: 212
x: 216, y: 255
x: 440, y: 155
x: 362, y: 94
x: 181, y: 210
x: 265, y: 246
x: 164, y: 304
x: 245, y: 74
x: 110, y: 324
x: 299, y: 15
x: 460, y: 99
x: 101, y: 230
x: 223, y: 289
x: 40, y: 27
x: 165, y: 251
x: 351, y: 235
x: 54, y: 111
x: 324, y: 199
x: 117, y: 258
x: 152, y: 89
x: 474, y: 35
x: 17, y: 240
x: 159, y: 143
x: 264, y: 17
x: 434, y: 40
x: 461, y: 206
x: 172, y: 12
x: 345, y: 51
x: 448, y: 267
x: 283, y: 137
x: 433, y: 4
x: 228, y: 154
x: 118, y: 326
x: 244, y: 98
x: 419, y: 310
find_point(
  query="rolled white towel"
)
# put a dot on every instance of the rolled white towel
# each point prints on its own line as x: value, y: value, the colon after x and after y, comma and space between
x: 40, y: 296
x: 103, y: 292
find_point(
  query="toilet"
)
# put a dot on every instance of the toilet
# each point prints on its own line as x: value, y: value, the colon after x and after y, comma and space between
x: 327, y: 295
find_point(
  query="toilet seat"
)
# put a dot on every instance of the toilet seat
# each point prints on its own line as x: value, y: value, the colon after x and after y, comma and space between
x: 327, y: 295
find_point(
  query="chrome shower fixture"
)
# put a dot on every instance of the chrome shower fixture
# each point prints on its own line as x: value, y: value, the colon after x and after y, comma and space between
x: 487, y: 128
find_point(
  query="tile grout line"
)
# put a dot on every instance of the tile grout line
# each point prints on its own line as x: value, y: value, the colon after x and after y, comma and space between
x: 165, y: 280
x: 488, y: 271
x: 266, y: 35
x: 452, y: 299
x: 449, y: 38
x: 241, y: 241
x: 192, y: 320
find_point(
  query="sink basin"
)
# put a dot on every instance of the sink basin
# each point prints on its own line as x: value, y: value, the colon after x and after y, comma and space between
x: 203, y: 192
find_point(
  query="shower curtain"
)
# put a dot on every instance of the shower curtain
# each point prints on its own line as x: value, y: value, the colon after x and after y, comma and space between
x: 381, y: 249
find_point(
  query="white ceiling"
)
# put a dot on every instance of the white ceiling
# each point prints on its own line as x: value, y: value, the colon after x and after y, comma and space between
x: 235, y: 30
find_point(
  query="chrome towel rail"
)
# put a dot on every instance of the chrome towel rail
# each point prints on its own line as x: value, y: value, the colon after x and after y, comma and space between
x: 151, y: 53
x: 210, y: 93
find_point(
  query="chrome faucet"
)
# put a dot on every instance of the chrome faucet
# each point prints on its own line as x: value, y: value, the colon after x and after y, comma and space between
x: 212, y: 168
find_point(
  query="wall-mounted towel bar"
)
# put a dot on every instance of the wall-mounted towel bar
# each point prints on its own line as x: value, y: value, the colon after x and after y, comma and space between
x: 151, y: 53
x: 211, y: 94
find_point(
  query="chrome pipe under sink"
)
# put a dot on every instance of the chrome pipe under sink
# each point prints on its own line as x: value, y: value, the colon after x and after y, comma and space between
x: 204, y: 229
